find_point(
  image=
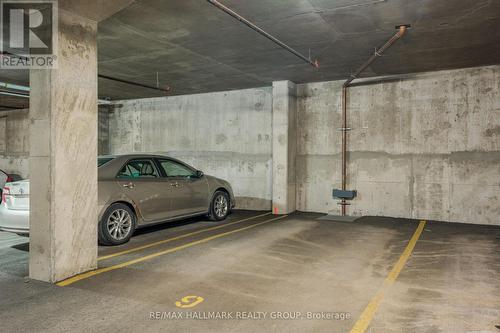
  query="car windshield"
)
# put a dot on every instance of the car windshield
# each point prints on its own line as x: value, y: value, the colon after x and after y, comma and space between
x: 103, y: 160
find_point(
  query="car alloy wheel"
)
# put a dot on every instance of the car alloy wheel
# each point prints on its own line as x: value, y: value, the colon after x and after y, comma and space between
x: 221, y: 206
x: 119, y: 224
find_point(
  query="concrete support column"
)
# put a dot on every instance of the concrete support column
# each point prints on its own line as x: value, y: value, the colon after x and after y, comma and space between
x: 63, y: 151
x: 284, y: 146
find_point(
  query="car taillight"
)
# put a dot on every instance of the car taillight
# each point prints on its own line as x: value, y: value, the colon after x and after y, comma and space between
x: 9, y: 179
x: 5, y: 193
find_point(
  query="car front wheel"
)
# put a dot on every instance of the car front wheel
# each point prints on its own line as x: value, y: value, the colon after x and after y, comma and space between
x: 219, y: 209
x: 117, y: 225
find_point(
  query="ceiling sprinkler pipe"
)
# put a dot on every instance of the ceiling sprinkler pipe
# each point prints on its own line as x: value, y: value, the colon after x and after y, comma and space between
x: 378, y: 53
x: 9, y: 93
x: 7, y: 108
x: 23, y: 88
x: 16, y: 87
x: 165, y: 90
x: 27, y: 89
x: 6, y: 85
x: 252, y: 26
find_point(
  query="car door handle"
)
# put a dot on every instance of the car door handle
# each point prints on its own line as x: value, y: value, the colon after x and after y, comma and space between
x: 176, y: 184
x: 129, y: 185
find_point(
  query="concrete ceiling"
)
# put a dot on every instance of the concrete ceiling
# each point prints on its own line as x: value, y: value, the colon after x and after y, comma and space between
x: 197, y: 48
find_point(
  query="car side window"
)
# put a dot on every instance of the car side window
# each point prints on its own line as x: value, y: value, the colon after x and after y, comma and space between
x: 138, y: 169
x: 174, y: 169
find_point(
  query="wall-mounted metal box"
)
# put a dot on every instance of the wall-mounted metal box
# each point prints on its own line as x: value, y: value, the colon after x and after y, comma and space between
x: 347, y: 195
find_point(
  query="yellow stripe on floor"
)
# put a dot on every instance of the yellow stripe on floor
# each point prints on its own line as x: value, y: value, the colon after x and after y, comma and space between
x: 367, y: 315
x: 139, y: 248
x: 157, y: 254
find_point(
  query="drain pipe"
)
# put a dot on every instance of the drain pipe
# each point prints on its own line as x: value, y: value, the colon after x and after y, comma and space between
x: 346, y: 195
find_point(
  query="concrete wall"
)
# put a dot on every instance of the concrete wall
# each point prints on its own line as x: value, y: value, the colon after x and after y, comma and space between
x: 225, y: 134
x: 284, y: 146
x: 103, y: 130
x: 426, y: 146
x: 423, y: 147
x: 14, y: 142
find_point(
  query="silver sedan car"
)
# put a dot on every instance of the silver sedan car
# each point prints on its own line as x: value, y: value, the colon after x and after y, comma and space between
x: 135, y: 191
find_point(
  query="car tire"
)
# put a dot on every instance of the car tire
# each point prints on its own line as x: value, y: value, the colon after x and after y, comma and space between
x: 117, y: 225
x: 220, y: 206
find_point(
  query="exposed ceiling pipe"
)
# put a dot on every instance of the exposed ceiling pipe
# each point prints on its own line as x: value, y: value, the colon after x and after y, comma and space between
x: 166, y: 89
x: 9, y: 93
x: 9, y: 107
x: 6, y: 85
x: 378, y: 53
x: 27, y: 89
x: 104, y: 102
x: 252, y: 26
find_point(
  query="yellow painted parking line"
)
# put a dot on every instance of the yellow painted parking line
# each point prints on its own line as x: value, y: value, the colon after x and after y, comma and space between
x: 157, y: 254
x: 139, y: 248
x: 367, y: 315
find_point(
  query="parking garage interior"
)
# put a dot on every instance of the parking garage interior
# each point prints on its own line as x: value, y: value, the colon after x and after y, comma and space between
x: 360, y: 140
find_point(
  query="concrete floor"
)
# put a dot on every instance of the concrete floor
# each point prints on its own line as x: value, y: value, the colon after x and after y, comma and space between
x: 451, y: 282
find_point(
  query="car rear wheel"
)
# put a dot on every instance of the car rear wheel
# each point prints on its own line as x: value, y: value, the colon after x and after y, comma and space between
x: 219, y: 209
x: 117, y: 225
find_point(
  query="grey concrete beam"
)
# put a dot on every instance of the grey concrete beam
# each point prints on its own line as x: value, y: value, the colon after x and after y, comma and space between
x: 96, y: 10
x: 63, y: 150
x: 284, y: 146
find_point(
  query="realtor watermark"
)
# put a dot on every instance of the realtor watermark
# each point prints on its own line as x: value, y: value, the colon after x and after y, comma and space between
x: 28, y: 34
x: 248, y: 315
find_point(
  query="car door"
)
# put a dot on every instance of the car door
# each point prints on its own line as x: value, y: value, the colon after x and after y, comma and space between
x: 191, y: 191
x: 141, y: 181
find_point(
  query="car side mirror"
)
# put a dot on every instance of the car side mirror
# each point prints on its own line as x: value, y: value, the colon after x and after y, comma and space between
x: 199, y: 173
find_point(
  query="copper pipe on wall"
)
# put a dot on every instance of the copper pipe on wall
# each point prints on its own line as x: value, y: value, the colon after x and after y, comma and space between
x: 345, y: 86
x: 344, y: 144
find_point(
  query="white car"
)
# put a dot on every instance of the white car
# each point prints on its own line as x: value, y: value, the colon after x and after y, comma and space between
x: 4, y: 178
x: 14, y: 208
